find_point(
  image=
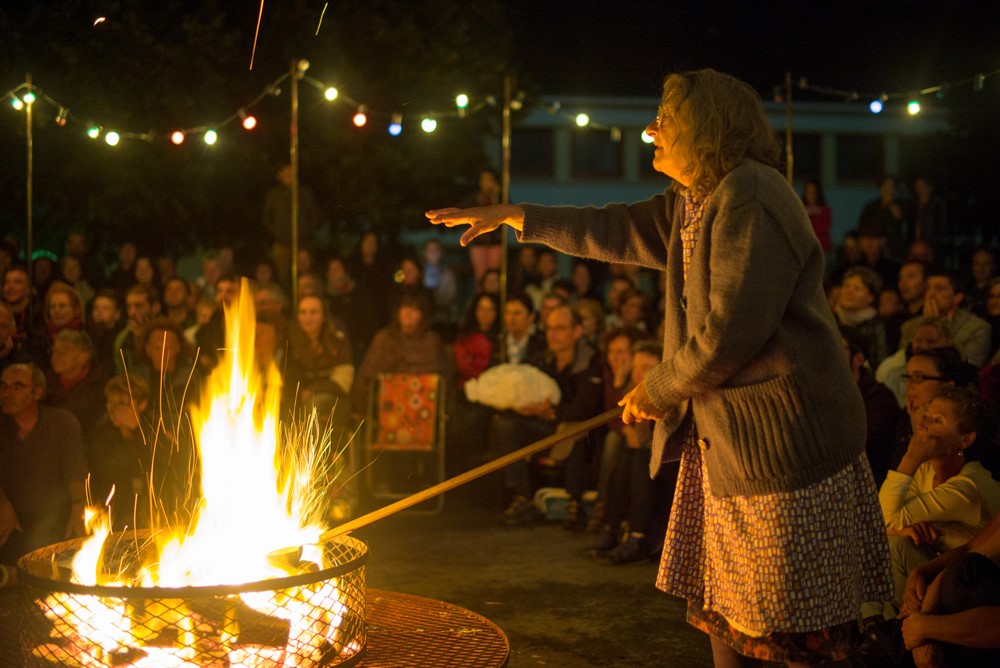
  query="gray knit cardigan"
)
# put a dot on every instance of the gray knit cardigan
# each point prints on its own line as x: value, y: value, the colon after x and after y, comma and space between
x: 751, y: 347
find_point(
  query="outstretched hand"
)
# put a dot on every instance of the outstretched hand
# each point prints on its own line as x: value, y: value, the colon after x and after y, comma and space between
x: 480, y: 219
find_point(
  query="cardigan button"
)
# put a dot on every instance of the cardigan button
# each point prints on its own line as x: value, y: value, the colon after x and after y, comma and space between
x: 684, y: 303
x: 703, y: 444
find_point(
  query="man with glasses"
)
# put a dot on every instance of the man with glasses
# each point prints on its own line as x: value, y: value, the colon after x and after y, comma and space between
x: 42, y: 467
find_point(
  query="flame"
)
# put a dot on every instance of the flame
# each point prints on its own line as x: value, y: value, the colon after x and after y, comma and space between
x: 257, y: 496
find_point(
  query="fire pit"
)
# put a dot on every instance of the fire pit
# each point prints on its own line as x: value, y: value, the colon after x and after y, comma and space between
x: 313, y: 617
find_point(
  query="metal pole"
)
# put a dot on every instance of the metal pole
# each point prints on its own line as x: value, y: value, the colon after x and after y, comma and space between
x: 293, y: 155
x: 508, y: 91
x: 29, y: 197
x: 789, y: 153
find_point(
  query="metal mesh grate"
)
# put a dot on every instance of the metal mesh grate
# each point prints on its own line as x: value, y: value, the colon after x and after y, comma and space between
x: 314, y: 618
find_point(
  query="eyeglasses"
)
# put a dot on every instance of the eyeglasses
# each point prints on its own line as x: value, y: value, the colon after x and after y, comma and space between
x: 16, y: 386
x: 661, y: 116
x: 917, y: 377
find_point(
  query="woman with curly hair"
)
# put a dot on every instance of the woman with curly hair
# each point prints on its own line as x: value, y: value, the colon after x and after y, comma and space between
x: 775, y: 537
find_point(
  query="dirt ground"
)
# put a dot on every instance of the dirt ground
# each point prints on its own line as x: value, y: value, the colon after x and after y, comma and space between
x: 557, y: 606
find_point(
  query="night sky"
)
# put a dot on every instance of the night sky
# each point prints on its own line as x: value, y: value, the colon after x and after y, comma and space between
x: 625, y: 48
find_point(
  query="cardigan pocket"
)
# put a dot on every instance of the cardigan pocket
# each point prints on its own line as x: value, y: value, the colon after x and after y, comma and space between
x: 758, y: 436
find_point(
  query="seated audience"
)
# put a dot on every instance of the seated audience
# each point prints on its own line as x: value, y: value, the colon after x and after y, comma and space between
x: 141, y: 305
x: 855, y: 308
x: 74, y: 381
x: 940, y: 495
x: 944, y: 297
x: 42, y: 467
x: 319, y: 367
x: 103, y: 326
x: 521, y: 342
x: 929, y: 333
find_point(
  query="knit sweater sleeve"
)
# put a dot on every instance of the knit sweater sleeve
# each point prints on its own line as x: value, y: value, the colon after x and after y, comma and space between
x: 625, y: 233
x: 907, y: 500
x: 752, y: 271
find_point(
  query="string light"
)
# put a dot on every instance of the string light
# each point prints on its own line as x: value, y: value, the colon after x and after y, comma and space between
x: 112, y: 138
x: 875, y: 106
x: 462, y: 102
x: 360, y: 118
x: 582, y: 120
x: 249, y: 122
x: 646, y: 138
x: 94, y: 132
x: 331, y: 93
x: 211, y: 136
x: 913, y: 107
x: 177, y: 137
x: 61, y: 116
x: 428, y: 125
x: 29, y: 97
x: 396, y: 126
x: 17, y: 103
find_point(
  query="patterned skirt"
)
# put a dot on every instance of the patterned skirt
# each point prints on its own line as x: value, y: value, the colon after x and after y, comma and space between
x: 779, y: 577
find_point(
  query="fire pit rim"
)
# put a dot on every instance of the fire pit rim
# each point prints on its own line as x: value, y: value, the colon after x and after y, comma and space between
x: 126, y: 592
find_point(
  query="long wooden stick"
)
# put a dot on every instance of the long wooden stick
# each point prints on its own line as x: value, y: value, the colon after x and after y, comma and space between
x: 571, y: 433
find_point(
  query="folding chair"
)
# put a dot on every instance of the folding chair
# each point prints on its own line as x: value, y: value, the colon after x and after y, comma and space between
x: 404, y: 444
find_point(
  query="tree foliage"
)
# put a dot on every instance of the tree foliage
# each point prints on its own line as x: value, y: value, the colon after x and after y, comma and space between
x: 153, y: 67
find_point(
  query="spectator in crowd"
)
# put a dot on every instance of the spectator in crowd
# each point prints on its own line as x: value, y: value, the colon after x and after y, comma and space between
x: 930, y: 333
x: 633, y: 310
x: 944, y: 297
x: 204, y: 309
x: 930, y: 217
x: 145, y: 272
x: 982, y: 270
x: 546, y: 273
x: 120, y: 453
x: 177, y: 300
x: 950, y: 604
x: 871, y: 241
x: 921, y: 251
x: 819, y: 212
x: 75, y: 382
x: 848, y: 255
x: 9, y: 352
x: 166, y: 268
x: 855, y: 308
x: 584, y: 285
x: 940, y: 494
x: 211, y: 272
x: 167, y: 364
x: 211, y: 337
x: 475, y: 350
x: 265, y: 274
x: 617, y: 287
x: 926, y: 372
x: 78, y: 247
x: 616, y: 375
x: 372, y: 274
x: 122, y: 276
x: 477, y: 339
x: 576, y: 368
x: 912, y: 286
x: 63, y: 309
x: 42, y: 467
x: 549, y: 302
x: 309, y: 284
x: 271, y: 302
x: 992, y: 316
x: 893, y: 314
x: 409, y: 278
x: 591, y: 315
x: 632, y: 494
x: 485, y: 253
x: 407, y: 345
x: 340, y: 290
x: 72, y: 273
x: 489, y: 284
x: 889, y: 215
x: 521, y: 342
x: 141, y: 305
x: 28, y: 314
x: 439, y: 278
x: 319, y: 369
x: 524, y: 270
x: 278, y: 220
x: 881, y: 409
x: 43, y: 271
x: 103, y: 326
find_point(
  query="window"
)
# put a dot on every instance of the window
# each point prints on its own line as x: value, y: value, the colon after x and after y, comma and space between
x: 860, y: 158
x: 532, y: 152
x: 595, y: 154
